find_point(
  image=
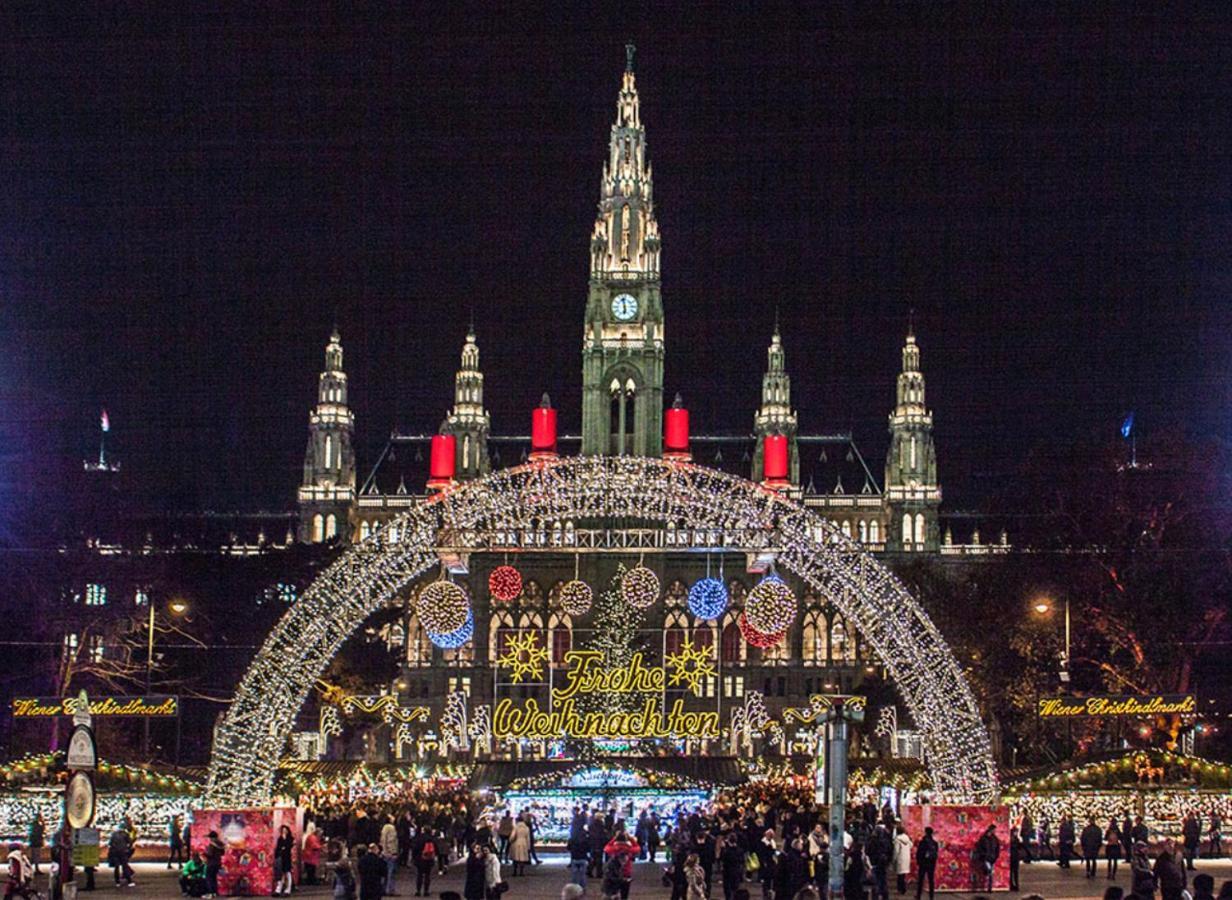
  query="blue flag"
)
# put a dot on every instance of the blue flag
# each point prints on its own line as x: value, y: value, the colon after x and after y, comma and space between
x: 1127, y: 426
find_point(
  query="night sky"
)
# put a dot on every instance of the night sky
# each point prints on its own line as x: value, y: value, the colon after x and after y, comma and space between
x: 189, y: 201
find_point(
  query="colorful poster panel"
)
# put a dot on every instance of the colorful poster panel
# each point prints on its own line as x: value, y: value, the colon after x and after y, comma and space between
x: 957, y: 829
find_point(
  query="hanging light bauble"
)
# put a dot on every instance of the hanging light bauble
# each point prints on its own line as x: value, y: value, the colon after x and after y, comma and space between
x: 771, y: 606
x: 455, y: 639
x: 639, y: 587
x: 442, y: 607
x: 505, y: 583
x: 755, y: 638
x: 708, y: 598
x: 575, y: 597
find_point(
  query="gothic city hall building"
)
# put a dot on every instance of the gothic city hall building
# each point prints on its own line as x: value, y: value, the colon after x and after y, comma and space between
x: 542, y: 598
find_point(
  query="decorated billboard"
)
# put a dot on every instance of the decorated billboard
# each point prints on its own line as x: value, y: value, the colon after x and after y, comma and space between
x: 957, y: 829
x: 248, y: 836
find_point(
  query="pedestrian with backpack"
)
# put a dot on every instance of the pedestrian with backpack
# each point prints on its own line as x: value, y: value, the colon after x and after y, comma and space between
x: 424, y: 852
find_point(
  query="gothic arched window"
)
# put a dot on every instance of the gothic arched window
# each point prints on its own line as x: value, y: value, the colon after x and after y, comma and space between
x: 863, y: 531
x: 318, y: 528
x: 674, y: 630
x: 732, y: 650
x: 418, y: 646
x: 331, y: 526
x: 919, y: 528
x: 329, y: 451
x: 500, y: 628
x: 560, y: 633
x: 813, y: 650
x: 874, y: 532
x: 906, y: 531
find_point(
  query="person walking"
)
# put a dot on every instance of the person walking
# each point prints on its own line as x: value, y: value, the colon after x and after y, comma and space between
x: 598, y: 834
x: 119, y: 851
x: 1191, y: 836
x: 987, y: 849
x: 284, y: 861
x: 1065, y: 841
x: 504, y: 831
x: 311, y: 853
x: 1142, y: 879
x: 175, y: 842
x: 880, y: 854
x: 344, y: 880
x: 695, y: 878
x: 732, y: 864
x: 519, y: 847
x: 214, y: 849
x: 389, y: 853
x: 38, y: 840
x: 1112, y: 847
x: 652, y: 835
x: 902, y: 858
x: 621, y: 850
x: 1215, y: 835
x: 1091, y: 839
x: 579, y: 857
x: 926, y: 864
x: 474, y: 885
x: 1169, y: 874
x: 1127, y: 838
x: 371, y: 872
x: 425, y: 848
x: 1016, y: 853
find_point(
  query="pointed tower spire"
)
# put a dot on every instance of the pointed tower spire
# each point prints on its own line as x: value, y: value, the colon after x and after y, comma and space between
x: 623, y: 345
x: 468, y: 421
x: 775, y: 416
x: 912, y: 494
x: 328, y: 486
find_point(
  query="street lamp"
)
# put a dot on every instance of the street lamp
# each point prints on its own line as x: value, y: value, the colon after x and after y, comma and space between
x: 1043, y: 606
x: 177, y: 606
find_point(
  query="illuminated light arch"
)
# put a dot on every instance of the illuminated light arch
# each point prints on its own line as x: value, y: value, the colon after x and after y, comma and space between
x: 743, y: 516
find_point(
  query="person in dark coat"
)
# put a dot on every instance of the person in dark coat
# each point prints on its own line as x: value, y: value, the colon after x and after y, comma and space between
x: 1016, y: 846
x: 880, y: 854
x: 732, y: 863
x: 987, y: 849
x: 1191, y: 836
x: 853, y: 872
x: 426, y: 847
x: 372, y: 872
x: 1091, y: 839
x: 926, y: 863
x: 1169, y: 875
x: 599, y: 835
x: 1065, y: 841
x: 475, y: 886
x: 793, y: 870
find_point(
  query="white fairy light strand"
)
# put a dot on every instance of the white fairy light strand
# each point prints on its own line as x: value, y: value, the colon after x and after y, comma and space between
x: 514, y: 501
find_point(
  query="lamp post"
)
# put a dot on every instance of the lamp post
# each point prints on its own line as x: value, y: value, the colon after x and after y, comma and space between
x: 178, y: 607
x: 1043, y: 606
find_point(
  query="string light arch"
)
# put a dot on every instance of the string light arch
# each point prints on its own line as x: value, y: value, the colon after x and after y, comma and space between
x: 916, y: 658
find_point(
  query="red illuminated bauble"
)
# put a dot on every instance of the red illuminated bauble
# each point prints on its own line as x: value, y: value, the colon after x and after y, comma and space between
x: 755, y: 638
x: 505, y: 583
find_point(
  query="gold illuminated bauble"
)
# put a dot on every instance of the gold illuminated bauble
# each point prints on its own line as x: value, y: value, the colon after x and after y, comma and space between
x: 442, y: 607
x: 575, y: 597
x: 771, y: 606
x: 640, y: 587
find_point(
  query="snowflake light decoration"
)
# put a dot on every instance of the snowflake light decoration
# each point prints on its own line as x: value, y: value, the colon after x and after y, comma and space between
x: 442, y: 607
x: 708, y: 598
x: 454, y: 639
x: 576, y: 597
x: 523, y: 656
x: 771, y: 605
x: 505, y: 583
x: 690, y: 666
x: 640, y: 587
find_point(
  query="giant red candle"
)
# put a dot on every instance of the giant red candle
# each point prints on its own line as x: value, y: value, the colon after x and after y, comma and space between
x: 774, y: 458
x: 543, y: 430
x: 442, y: 462
x: 676, y: 430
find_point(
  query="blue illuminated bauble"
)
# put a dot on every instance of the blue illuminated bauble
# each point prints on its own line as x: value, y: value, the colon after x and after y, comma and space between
x: 454, y: 639
x: 708, y: 598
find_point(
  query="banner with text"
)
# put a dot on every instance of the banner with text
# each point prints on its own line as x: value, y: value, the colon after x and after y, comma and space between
x: 157, y: 706
x: 1109, y: 705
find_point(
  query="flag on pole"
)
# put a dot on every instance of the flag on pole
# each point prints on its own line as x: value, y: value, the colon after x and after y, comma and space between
x: 1127, y: 426
x: 106, y: 421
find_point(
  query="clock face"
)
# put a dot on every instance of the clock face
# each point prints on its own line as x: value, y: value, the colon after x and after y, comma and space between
x: 79, y: 801
x: 624, y: 307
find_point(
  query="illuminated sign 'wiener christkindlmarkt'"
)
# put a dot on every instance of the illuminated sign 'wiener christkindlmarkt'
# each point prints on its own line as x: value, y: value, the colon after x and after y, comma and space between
x: 1117, y: 705
x: 155, y: 706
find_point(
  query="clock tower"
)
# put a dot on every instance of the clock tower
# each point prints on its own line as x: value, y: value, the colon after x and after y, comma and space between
x: 622, y: 342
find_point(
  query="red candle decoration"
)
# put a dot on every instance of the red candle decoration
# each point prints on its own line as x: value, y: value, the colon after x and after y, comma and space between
x: 505, y: 583
x: 441, y: 461
x: 774, y: 458
x: 543, y: 430
x: 676, y: 431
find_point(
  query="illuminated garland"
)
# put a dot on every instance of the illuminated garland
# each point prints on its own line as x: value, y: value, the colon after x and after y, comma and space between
x: 505, y: 584
x: 640, y: 587
x: 442, y: 607
x: 576, y: 597
x: 708, y: 598
x: 369, y: 574
x: 771, y: 606
x: 755, y: 638
x: 455, y: 639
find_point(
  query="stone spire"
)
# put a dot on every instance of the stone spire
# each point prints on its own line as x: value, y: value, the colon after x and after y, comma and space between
x: 625, y: 240
x: 775, y: 416
x: 328, y: 486
x: 468, y: 421
x: 912, y: 493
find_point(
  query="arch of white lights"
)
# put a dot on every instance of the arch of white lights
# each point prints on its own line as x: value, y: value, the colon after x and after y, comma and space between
x: 254, y: 730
